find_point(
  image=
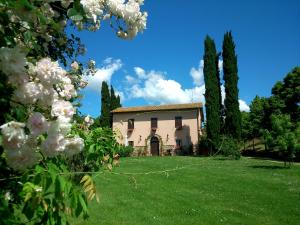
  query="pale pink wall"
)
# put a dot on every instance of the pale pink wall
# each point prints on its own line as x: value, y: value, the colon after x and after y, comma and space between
x: 191, y: 123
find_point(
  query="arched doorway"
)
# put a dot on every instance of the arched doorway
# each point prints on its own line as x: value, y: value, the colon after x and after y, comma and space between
x: 154, y: 143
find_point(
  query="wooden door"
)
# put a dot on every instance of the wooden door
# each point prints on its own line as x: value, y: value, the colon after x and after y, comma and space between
x: 154, y: 146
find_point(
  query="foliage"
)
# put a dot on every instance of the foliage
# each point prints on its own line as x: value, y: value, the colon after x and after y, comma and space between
x: 101, y: 149
x: 125, y: 151
x: 38, y: 96
x: 230, y: 148
x: 105, y: 105
x: 114, y: 103
x: 285, y: 136
x: 289, y: 92
x: 231, y: 103
x: 212, y: 96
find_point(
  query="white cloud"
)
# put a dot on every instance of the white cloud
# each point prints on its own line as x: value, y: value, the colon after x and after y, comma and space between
x: 220, y: 65
x: 130, y: 79
x: 103, y: 74
x: 197, y: 74
x: 243, y: 106
x: 140, y: 72
x: 157, y: 89
x: 121, y: 94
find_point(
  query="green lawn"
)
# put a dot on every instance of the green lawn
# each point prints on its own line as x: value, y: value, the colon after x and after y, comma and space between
x: 205, y: 191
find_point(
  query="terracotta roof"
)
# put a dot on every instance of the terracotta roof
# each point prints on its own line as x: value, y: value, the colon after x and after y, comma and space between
x: 158, y: 108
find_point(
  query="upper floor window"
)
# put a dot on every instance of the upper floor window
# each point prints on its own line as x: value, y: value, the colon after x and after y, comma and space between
x: 130, y: 124
x: 153, y: 123
x: 178, y: 122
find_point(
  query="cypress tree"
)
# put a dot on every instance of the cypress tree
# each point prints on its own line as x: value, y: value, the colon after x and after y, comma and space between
x: 119, y: 101
x: 114, y: 102
x: 232, y: 125
x: 105, y: 106
x: 113, y: 99
x: 212, y: 95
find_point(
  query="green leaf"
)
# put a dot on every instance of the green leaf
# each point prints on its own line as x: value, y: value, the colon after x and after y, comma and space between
x: 27, y: 36
x: 73, y: 14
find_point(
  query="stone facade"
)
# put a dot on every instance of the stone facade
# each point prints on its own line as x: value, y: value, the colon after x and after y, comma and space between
x: 167, y: 138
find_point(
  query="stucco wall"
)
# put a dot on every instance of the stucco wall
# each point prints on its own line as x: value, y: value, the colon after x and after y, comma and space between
x: 166, y: 131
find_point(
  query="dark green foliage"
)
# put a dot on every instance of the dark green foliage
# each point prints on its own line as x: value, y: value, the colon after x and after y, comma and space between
x: 230, y: 148
x: 124, y: 151
x: 285, y: 136
x: 212, y: 95
x: 105, y: 105
x: 232, y: 125
x: 114, y: 102
x: 289, y: 92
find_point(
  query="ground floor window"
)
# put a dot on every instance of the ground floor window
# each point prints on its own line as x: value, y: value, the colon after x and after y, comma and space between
x: 178, y: 143
x: 131, y: 143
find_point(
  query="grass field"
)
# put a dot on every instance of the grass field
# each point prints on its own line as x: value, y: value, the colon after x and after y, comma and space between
x: 198, y: 191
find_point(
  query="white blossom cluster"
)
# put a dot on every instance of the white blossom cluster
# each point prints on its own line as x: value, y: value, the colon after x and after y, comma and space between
x: 46, y: 86
x: 88, y: 121
x: 126, y: 10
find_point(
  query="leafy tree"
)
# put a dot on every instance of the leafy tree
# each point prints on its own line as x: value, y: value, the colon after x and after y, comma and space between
x: 289, y: 92
x: 105, y: 105
x: 285, y: 136
x: 246, y: 127
x: 212, y: 96
x: 231, y: 104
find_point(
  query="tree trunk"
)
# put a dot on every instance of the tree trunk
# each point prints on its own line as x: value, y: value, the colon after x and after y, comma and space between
x: 253, y: 148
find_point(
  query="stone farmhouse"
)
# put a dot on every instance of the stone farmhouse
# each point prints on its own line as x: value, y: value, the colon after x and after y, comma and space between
x: 159, y: 130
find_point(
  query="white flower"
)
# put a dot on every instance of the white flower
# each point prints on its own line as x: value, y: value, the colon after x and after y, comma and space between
x: 73, y: 145
x: 49, y: 72
x: 53, y: 145
x: 88, y: 120
x: 28, y: 92
x: 13, y: 135
x: 37, y: 124
x: 7, y: 196
x: 59, y: 127
x: 130, y: 12
x: 75, y: 66
x: 12, y: 61
x: 64, y: 110
x: 68, y: 91
x: 24, y: 158
x: 93, y: 8
x: 83, y: 84
x: 48, y: 96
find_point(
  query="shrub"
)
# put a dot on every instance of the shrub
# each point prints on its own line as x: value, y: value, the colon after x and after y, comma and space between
x: 230, y: 148
x: 124, y: 151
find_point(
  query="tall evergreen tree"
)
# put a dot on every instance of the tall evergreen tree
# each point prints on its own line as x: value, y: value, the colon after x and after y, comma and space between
x: 212, y: 95
x: 113, y: 99
x: 232, y: 125
x: 105, y: 106
x: 114, y: 102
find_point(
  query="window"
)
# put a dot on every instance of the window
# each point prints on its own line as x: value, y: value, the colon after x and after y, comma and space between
x: 153, y: 123
x: 130, y: 124
x: 178, y: 143
x: 131, y: 143
x: 178, y: 122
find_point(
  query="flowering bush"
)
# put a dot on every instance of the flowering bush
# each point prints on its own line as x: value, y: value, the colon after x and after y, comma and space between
x: 37, y: 93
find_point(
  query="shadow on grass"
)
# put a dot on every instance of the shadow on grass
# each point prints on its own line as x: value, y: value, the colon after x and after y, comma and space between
x: 268, y: 167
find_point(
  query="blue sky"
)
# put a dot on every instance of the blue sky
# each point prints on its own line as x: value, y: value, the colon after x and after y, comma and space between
x: 155, y: 67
